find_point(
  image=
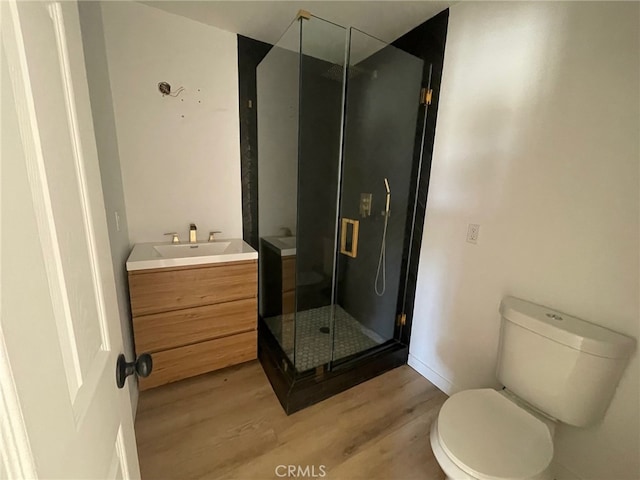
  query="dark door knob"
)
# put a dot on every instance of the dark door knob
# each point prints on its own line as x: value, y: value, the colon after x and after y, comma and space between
x: 142, y: 367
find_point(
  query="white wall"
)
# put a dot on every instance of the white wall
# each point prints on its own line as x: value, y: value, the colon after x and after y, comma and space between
x: 538, y: 142
x: 108, y: 156
x: 180, y: 157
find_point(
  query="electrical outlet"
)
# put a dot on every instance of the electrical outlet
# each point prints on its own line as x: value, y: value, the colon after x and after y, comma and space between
x: 473, y: 232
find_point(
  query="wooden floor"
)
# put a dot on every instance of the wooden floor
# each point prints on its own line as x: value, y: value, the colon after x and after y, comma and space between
x: 229, y: 425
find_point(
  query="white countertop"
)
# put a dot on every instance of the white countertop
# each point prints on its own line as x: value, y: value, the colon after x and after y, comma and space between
x: 146, y: 256
x: 285, y: 245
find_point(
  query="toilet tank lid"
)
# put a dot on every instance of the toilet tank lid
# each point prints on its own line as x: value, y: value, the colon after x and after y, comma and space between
x: 567, y: 330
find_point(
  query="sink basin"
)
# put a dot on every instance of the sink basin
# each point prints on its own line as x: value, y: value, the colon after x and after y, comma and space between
x: 192, y: 250
x: 162, y: 255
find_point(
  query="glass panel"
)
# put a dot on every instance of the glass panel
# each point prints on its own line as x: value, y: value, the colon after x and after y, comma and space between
x: 382, y: 103
x: 321, y: 99
x: 278, y: 77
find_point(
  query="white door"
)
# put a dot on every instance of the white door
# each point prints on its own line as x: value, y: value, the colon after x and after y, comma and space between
x: 61, y: 414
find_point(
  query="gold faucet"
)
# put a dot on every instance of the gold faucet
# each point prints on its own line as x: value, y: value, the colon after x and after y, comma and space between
x: 193, y: 233
x: 174, y: 237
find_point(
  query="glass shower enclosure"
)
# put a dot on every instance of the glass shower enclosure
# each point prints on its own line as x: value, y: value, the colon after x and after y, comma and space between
x: 337, y: 112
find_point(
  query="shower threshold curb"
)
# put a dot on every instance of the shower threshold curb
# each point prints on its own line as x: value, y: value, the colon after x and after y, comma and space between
x: 298, y: 390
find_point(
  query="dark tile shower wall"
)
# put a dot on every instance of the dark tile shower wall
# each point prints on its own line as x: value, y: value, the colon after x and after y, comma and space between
x: 250, y: 54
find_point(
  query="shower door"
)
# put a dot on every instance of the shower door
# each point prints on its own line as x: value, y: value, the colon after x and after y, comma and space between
x: 382, y: 100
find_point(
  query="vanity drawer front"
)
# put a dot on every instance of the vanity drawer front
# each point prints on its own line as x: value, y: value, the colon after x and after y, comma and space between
x: 288, y: 274
x: 288, y: 302
x: 174, y: 289
x: 191, y: 360
x: 161, y: 331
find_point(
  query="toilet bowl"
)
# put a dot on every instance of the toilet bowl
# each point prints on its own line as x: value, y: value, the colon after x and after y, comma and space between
x: 555, y: 369
x: 484, y: 435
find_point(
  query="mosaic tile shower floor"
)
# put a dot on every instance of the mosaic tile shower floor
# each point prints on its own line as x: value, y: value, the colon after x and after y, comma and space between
x: 313, y: 346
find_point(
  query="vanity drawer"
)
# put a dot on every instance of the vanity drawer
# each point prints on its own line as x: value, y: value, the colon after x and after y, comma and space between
x: 288, y: 273
x: 191, y: 360
x: 288, y: 302
x: 166, y: 289
x: 161, y: 331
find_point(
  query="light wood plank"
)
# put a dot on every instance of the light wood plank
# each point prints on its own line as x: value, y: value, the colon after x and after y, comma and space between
x: 183, y: 362
x: 395, y: 455
x: 175, y: 289
x: 229, y: 424
x: 162, y: 331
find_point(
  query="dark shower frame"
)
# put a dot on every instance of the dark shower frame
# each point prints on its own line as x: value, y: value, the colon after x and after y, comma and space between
x: 297, y: 390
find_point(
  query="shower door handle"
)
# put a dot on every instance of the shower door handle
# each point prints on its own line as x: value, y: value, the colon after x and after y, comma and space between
x: 355, y: 226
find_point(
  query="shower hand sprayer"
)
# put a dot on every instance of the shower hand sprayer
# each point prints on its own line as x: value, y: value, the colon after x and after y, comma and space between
x: 386, y: 185
x: 382, y: 259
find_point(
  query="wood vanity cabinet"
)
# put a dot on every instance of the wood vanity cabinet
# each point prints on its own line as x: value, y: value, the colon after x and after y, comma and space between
x: 194, y: 319
x: 288, y: 284
x: 288, y: 335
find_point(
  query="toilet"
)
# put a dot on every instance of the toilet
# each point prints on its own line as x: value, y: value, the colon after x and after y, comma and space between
x: 555, y: 369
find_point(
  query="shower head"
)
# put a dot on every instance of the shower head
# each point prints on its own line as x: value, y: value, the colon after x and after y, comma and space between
x: 386, y: 185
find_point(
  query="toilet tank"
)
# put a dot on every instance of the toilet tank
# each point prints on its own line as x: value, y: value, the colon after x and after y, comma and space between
x: 566, y: 367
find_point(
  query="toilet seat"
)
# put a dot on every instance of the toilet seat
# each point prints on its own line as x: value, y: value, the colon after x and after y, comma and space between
x: 490, y: 437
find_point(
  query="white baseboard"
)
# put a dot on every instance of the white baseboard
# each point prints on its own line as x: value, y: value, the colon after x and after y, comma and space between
x: 434, y: 377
